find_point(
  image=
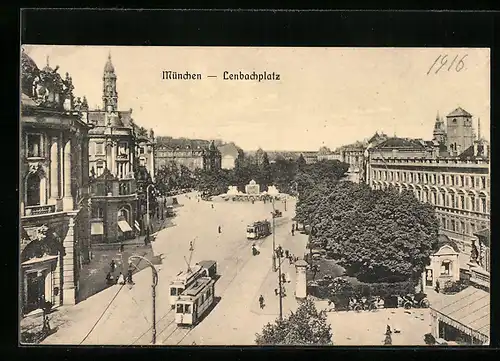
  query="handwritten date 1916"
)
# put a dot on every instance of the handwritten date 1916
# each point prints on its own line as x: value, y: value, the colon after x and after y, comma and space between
x: 442, y: 62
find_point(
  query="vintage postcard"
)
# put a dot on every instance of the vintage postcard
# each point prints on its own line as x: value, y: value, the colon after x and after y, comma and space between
x: 254, y: 196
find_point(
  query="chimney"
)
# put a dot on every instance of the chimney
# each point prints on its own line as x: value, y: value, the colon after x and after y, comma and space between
x: 478, y: 128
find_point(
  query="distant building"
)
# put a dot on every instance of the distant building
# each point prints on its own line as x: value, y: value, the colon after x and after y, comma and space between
x: 325, y: 153
x: 229, y: 154
x: 440, y: 172
x: 191, y: 153
x: 309, y: 156
x: 54, y: 239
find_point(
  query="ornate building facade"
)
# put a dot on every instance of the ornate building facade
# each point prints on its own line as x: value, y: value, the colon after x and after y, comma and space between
x: 53, y: 188
x: 452, y: 173
x: 119, y: 151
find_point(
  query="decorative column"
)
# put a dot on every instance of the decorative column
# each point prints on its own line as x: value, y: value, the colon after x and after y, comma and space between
x: 69, y: 290
x: 301, y: 283
x: 54, y: 171
x: 68, y: 197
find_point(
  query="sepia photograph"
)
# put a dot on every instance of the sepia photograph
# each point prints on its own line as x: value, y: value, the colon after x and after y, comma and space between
x: 254, y: 196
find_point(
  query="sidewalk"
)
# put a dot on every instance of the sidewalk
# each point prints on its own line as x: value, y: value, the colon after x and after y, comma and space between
x: 296, y: 245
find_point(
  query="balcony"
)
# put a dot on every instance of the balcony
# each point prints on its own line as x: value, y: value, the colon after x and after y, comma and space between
x: 39, y: 210
x: 122, y: 157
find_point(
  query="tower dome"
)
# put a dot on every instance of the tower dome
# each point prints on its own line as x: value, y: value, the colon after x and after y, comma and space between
x: 109, y: 68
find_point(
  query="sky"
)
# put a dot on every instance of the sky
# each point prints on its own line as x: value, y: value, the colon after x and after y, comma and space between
x: 325, y: 96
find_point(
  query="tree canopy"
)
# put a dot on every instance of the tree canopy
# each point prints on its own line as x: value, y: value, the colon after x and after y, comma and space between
x: 376, y: 235
x: 307, y: 326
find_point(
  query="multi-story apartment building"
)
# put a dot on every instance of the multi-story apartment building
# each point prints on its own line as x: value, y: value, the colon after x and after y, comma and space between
x: 119, y: 150
x: 452, y: 172
x: 53, y: 188
x: 191, y: 153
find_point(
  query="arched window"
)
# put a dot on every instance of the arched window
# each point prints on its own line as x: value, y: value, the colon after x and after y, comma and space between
x: 32, y: 190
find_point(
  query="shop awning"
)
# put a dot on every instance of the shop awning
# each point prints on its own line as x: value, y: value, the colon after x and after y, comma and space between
x: 39, y: 260
x: 124, y: 226
x: 96, y: 228
x: 467, y: 311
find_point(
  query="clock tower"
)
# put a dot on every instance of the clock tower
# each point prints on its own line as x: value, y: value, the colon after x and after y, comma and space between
x: 109, y: 95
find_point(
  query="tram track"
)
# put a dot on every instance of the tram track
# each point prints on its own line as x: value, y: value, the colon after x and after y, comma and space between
x: 236, y: 255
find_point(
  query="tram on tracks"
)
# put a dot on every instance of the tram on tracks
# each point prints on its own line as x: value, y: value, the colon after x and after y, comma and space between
x: 195, y: 301
x: 184, y: 279
x: 259, y: 229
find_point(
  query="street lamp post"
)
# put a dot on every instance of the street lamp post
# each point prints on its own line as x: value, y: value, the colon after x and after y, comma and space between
x: 153, y: 288
x: 147, y: 205
x: 274, y: 240
x: 280, y: 284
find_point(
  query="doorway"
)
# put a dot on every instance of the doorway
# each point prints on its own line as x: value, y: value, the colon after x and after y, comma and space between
x: 35, y: 290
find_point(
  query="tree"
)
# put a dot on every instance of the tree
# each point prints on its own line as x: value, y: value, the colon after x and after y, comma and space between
x: 307, y: 326
x: 301, y: 162
x: 266, y: 175
x: 375, y: 235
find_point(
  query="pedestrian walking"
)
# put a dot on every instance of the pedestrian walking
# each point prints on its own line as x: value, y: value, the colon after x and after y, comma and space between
x: 287, y: 253
x: 121, y: 279
x: 261, y: 301
x: 220, y: 229
x: 293, y: 228
x: 129, y: 277
x: 112, y: 265
x: 293, y: 232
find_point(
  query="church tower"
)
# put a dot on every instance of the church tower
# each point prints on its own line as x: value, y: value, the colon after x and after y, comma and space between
x: 460, y: 134
x: 439, y: 133
x: 109, y: 95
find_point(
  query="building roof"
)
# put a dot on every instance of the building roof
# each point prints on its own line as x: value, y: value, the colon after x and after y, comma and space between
x: 401, y: 143
x: 184, y: 143
x: 469, y: 308
x: 459, y: 112
x: 469, y: 152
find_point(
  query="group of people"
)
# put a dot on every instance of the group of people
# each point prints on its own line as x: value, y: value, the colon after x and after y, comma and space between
x: 110, y: 278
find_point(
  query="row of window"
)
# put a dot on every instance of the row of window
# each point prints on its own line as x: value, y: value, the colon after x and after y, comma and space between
x: 455, y: 201
x: 461, y: 226
x: 98, y: 148
x: 98, y: 212
x: 102, y: 189
x: 480, y: 182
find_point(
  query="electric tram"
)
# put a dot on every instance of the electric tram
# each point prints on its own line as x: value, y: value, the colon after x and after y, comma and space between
x: 194, y: 301
x: 259, y: 229
x: 185, y: 278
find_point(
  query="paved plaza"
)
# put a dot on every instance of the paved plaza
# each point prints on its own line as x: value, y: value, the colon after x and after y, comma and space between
x: 123, y: 315
x: 128, y: 318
